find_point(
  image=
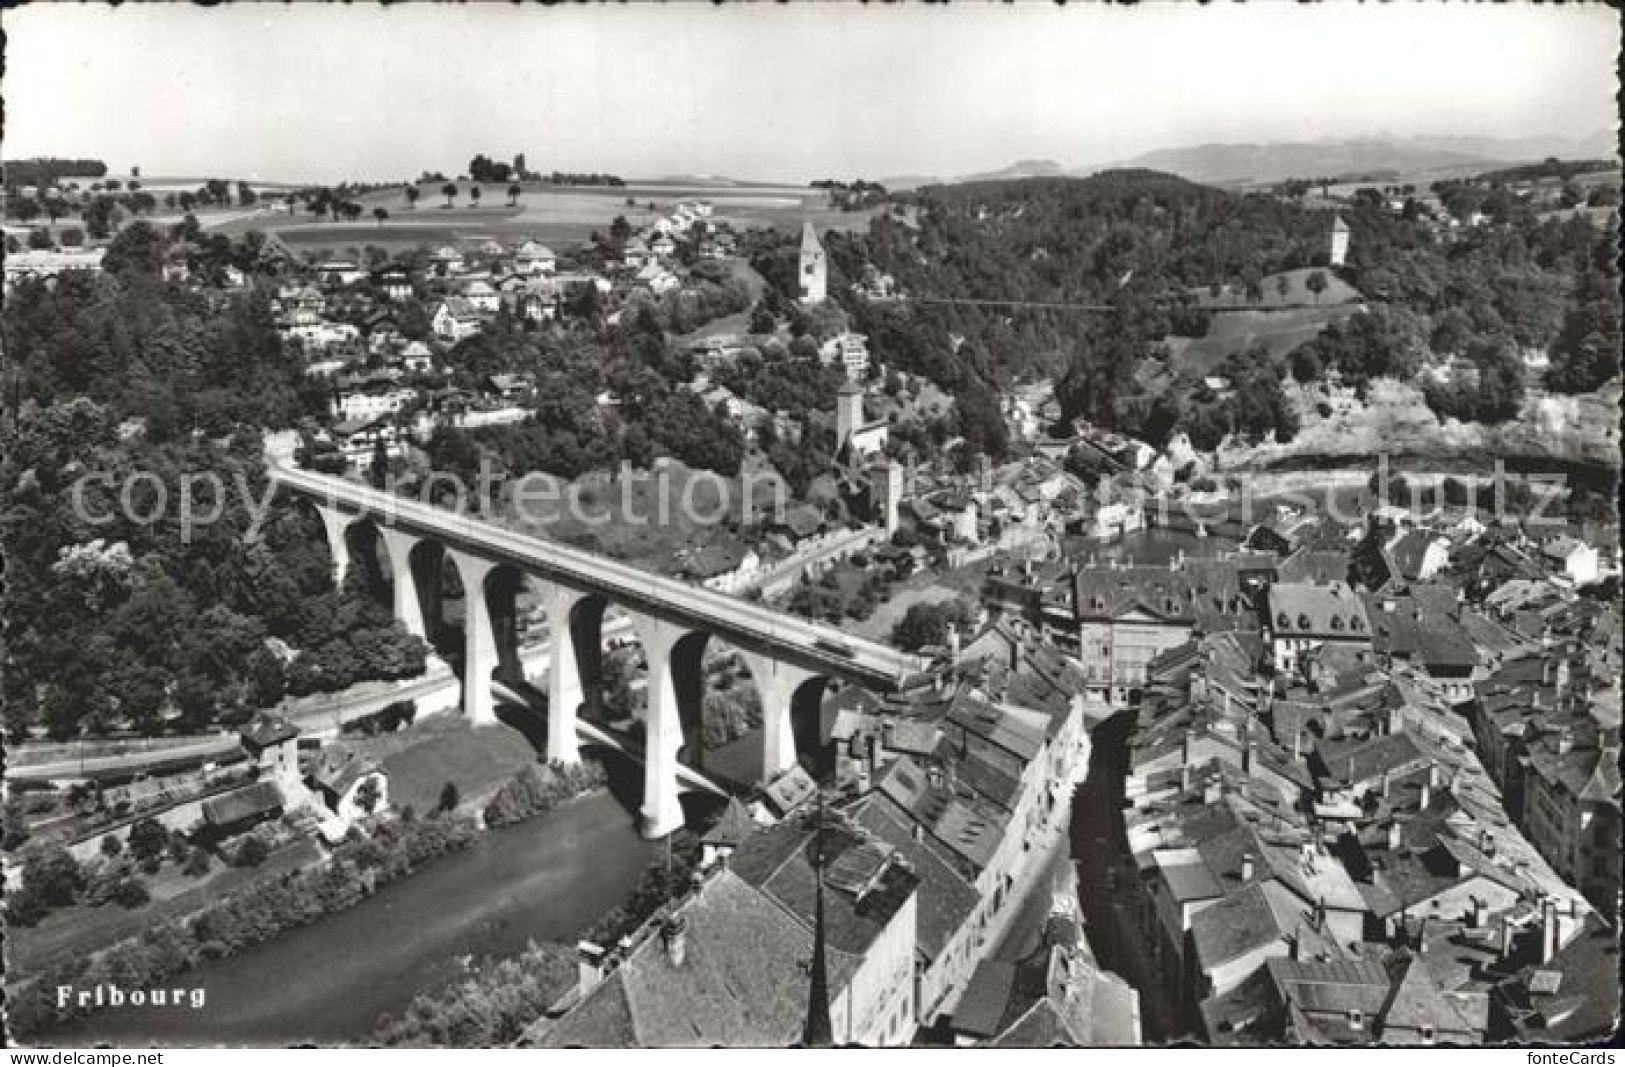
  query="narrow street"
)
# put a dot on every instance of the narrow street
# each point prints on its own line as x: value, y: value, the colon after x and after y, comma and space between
x: 1108, y: 881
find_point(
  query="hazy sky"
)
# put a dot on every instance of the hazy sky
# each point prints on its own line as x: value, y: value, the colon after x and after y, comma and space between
x: 324, y: 93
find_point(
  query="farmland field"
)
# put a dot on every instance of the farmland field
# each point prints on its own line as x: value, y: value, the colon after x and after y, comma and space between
x: 561, y: 216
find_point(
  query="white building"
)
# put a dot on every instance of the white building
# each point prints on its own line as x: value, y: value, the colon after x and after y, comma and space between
x: 850, y: 351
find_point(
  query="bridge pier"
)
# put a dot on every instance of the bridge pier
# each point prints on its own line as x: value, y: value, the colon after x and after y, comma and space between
x: 408, y: 602
x: 480, y: 657
x: 337, y: 524
x: 565, y: 691
x: 776, y: 686
x: 662, y: 729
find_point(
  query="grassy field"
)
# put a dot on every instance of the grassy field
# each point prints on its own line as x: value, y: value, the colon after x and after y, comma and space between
x: 422, y: 758
x: 560, y: 216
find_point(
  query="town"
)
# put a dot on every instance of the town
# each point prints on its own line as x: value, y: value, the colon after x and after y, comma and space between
x: 1095, y: 610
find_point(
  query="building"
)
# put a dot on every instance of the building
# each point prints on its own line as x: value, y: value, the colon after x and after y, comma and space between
x: 1339, y: 251
x: 852, y: 428
x: 48, y: 264
x: 849, y: 351
x: 455, y: 319
x: 1125, y: 617
x: 351, y: 786
x: 814, y: 271
x: 1303, y: 618
x: 731, y: 963
x: 1576, y: 560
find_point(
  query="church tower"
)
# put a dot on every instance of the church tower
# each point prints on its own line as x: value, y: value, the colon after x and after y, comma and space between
x: 814, y: 271
x: 1340, y: 241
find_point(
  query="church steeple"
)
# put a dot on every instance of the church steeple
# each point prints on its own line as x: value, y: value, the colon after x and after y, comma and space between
x: 817, y: 1032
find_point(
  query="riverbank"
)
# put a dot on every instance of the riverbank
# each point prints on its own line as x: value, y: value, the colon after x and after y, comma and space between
x: 329, y: 982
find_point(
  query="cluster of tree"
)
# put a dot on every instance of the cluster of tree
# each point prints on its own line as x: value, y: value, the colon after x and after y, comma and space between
x: 538, y: 789
x: 121, y: 609
x: 493, y: 172
x: 854, y: 195
x: 1491, y: 392
x: 1550, y: 167
x: 661, y: 882
x: 928, y: 623
x: 568, y: 178
x: 48, y: 170
x: 334, y: 203
x: 489, y: 1005
x: 241, y: 920
x: 1252, y: 406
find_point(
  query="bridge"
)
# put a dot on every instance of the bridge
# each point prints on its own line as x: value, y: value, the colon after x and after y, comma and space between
x: 791, y: 660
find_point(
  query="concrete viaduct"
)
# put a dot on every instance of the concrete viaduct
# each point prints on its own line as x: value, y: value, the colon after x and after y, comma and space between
x: 790, y: 659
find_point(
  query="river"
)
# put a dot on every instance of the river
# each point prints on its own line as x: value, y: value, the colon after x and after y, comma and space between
x: 544, y: 880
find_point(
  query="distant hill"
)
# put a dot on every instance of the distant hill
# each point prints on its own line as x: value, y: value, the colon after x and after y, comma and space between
x: 1025, y: 168
x: 1275, y: 161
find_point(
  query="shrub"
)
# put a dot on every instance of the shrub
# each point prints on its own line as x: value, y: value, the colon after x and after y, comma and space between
x: 537, y: 789
x: 131, y: 892
x: 250, y: 852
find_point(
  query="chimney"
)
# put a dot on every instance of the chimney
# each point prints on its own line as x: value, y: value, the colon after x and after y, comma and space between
x: 589, y: 965
x: 1248, y: 755
x: 918, y: 831
x: 1565, y: 741
x: 1386, y: 781
x: 674, y: 936
x: 1549, y: 941
x: 1486, y: 843
x: 1562, y: 679
x: 1297, y: 745
x: 1184, y: 778
x: 1395, y: 838
x: 1506, y: 935
x: 1427, y: 796
x: 1480, y: 913
x: 1294, y: 949
x: 1246, y: 867
x: 1434, y: 778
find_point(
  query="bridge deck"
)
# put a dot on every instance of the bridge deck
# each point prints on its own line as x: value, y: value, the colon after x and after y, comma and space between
x: 823, y: 648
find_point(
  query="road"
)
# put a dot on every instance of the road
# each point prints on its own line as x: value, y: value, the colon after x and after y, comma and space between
x: 823, y: 648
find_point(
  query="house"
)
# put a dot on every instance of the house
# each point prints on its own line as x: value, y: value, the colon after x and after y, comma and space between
x: 455, y: 319
x: 1576, y: 560
x: 1125, y: 617
x: 48, y: 264
x: 340, y: 272
x: 352, y: 786
x: 656, y: 278
x: 358, y: 439
x: 481, y: 296
x: 663, y: 247
x: 1303, y: 617
x: 510, y: 387
x: 849, y: 351
x: 446, y: 260
x: 394, y: 283
x: 533, y: 257
x: 369, y: 395
x: 240, y: 809
x: 417, y: 358
x: 635, y: 255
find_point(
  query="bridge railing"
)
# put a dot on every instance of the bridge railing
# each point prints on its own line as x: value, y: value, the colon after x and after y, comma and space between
x: 619, y: 578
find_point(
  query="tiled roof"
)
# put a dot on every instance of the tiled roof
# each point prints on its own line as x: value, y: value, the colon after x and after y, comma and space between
x: 255, y: 799
x: 1321, y: 611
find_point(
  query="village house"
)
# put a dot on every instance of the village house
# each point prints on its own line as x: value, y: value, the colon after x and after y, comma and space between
x: 849, y: 351
x: 533, y: 257
x: 455, y: 319
x: 1304, y: 617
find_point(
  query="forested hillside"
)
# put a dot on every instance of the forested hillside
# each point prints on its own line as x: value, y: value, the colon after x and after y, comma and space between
x: 1133, y: 241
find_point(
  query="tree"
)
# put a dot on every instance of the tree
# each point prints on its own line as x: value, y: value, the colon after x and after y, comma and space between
x: 1316, y: 283
x: 449, y: 191
x: 130, y: 892
x: 412, y: 194
x: 251, y: 852
x: 197, y: 864
x: 474, y: 196
x: 39, y: 239
x: 513, y: 194
x: 112, y: 846
x: 1283, y: 285
x: 246, y: 196
x: 54, y: 876
x: 449, y: 797
x: 25, y: 211
x: 381, y: 214
x: 148, y: 839
x: 367, y: 795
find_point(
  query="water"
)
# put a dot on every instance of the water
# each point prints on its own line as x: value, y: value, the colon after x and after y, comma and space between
x: 1153, y: 546
x: 544, y: 880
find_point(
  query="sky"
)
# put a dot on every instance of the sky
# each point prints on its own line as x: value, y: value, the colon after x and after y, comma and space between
x: 323, y: 93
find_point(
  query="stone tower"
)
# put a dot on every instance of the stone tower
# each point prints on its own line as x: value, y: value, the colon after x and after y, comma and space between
x: 1340, y: 241
x: 848, y: 412
x: 886, y: 492
x: 814, y: 271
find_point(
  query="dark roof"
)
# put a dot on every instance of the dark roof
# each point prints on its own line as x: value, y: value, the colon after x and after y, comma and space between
x: 945, y: 899
x: 267, y: 729
x: 1332, y: 611
x: 259, y: 798
x: 982, y: 1005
